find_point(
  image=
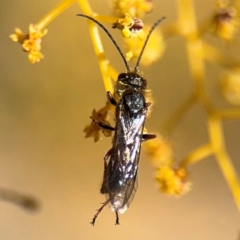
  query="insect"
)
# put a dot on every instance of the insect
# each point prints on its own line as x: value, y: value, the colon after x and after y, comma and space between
x: 121, y: 161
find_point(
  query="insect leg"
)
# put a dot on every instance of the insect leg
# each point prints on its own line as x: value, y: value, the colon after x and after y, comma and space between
x: 117, y: 218
x: 104, y: 189
x: 98, y: 211
x: 108, y: 154
x: 103, y: 125
x: 148, y: 136
x: 111, y: 99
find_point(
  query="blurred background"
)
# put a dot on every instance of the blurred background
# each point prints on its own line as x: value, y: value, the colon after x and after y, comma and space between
x: 44, y: 156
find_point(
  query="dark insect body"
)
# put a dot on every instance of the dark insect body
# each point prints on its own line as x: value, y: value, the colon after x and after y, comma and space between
x: 120, y: 172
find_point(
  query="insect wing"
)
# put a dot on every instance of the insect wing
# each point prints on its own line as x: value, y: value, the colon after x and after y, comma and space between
x: 123, y: 165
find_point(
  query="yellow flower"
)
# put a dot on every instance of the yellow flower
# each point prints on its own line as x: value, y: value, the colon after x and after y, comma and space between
x: 154, y: 49
x: 93, y: 130
x: 130, y: 27
x: 30, y: 42
x: 231, y: 87
x: 18, y: 36
x: 173, y: 181
x: 136, y: 8
x: 226, y: 22
x: 35, y: 56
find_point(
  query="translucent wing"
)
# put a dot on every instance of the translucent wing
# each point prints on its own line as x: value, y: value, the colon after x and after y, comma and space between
x: 121, y: 174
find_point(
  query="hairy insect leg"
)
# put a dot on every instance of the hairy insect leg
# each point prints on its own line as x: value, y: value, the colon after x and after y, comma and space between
x: 108, y: 154
x: 117, y: 218
x: 148, y: 136
x: 103, y: 125
x: 111, y: 99
x: 98, y: 211
x: 104, y: 189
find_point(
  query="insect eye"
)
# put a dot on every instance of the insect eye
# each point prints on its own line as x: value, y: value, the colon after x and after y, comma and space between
x: 122, y: 76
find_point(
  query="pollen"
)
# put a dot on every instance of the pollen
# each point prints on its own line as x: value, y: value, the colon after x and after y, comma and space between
x: 136, y: 8
x: 31, y: 42
x: 93, y: 130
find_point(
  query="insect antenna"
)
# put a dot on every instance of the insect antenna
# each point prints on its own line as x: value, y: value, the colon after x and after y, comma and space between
x: 110, y: 36
x: 146, y: 41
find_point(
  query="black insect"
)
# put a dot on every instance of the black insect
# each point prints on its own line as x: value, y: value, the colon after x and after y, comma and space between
x: 120, y: 172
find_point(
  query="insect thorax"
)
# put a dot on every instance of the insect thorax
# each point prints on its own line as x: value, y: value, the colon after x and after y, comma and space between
x: 133, y: 101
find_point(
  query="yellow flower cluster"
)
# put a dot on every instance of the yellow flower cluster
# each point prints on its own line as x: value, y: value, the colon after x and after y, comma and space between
x: 31, y: 42
x: 172, y: 179
x: 154, y: 49
x: 130, y: 27
x: 93, y: 130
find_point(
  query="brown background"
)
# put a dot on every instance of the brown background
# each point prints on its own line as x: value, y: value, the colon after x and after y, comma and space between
x: 44, y: 108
